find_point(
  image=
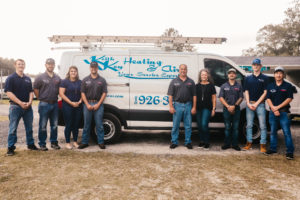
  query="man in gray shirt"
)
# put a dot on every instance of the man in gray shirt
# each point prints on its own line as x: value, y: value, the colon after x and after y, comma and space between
x: 46, y: 88
x: 231, y: 96
x: 93, y: 93
x: 182, y: 102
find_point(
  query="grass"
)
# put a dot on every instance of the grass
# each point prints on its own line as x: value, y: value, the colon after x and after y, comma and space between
x: 78, y: 175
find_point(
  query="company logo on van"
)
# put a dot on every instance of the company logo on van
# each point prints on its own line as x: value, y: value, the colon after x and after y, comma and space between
x: 155, y: 69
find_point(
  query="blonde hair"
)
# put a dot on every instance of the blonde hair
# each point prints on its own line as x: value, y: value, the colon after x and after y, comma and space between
x: 68, y: 74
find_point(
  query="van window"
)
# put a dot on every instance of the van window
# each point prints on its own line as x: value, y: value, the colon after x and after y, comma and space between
x: 218, y: 70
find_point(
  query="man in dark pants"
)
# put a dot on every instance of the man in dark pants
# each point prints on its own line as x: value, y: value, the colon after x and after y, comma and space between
x: 279, y: 97
x: 93, y: 93
x: 231, y: 96
x: 46, y: 88
x: 18, y: 88
x: 182, y: 102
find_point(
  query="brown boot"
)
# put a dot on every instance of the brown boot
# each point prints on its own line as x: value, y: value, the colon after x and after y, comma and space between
x: 247, y: 147
x: 263, y: 148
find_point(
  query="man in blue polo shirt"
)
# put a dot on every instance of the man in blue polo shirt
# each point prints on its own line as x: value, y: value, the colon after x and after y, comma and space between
x: 279, y: 97
x: 255, y: 87
x: 18, y: 88
x: 231, y: 96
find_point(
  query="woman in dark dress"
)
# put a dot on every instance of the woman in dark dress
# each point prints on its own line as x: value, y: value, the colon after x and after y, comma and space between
x: 69, y: 91
x: 206, y: 105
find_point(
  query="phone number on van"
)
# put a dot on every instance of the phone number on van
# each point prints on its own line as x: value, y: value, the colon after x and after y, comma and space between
x: 151, y: 100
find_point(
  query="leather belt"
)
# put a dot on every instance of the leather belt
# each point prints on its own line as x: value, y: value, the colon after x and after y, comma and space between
x: 93, y: 101
x: 50, y: 102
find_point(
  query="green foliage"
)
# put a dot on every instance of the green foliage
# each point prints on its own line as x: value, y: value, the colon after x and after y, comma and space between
x: 7, y: 66
x: 281, y: 39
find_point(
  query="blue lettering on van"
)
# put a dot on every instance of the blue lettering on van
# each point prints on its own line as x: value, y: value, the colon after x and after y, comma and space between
x: 104, y: 63
x: 152, y: 66
x: 151, y: 100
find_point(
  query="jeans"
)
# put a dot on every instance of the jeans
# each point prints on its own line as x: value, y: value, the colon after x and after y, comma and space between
x: 48, y: 111
x: 72, y: 117
x: 183, y: 110
x: 261, y: 115
x: 98, y: 118
x: 203, y: 117
x: 15, y: 114
x: 284, y: 122
x: 231, y: 122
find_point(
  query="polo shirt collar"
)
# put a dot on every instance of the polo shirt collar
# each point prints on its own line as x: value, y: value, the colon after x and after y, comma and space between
x: 260, y: 74
x: 187, y: 78
x: 235, y: 83
x: 98, y: 76
x: 46, y: 74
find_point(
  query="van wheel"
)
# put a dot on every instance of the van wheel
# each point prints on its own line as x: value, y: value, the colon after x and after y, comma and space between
x: 112, y: 129
x: 255, y: 131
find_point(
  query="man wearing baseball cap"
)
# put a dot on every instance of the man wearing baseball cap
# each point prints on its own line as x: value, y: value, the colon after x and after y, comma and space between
x: 255, y: 87
x: 231, y: 96
x: 279, y: 97
x: 46, y: 88
x: 93, y: 93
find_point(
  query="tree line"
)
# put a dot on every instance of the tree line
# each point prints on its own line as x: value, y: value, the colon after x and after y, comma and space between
x: 6, y: 66
x: 280, y: 39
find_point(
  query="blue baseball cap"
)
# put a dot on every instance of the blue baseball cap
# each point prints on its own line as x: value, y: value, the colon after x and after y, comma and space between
x: 256, y: 62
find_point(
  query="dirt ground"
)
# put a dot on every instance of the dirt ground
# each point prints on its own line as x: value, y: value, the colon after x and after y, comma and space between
x: 142, y: 166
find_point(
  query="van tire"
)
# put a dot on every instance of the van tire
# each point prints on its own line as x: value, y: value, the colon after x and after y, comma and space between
x: 255, y: 131
x: 112, y: 129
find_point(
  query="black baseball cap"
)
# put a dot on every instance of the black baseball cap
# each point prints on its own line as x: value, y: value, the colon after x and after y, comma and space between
x: 94, y: 64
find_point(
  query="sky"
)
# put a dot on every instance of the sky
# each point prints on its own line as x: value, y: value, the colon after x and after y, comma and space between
x: 26, y: 25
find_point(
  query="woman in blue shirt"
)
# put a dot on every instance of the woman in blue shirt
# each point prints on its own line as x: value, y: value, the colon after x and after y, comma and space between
x: 69, y: 91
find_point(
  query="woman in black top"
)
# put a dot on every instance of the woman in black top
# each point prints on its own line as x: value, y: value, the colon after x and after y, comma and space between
x: 206, y: 105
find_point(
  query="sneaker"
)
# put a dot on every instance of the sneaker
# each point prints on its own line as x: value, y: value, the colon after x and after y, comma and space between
x: 10, y: 152
x: 263, y: 148
x: 247, y: 147
x: 225, y: 146
x: 201, y: 145
x: 54, y: 145
x: 189, y: 146
x: 102, y: 146
x: 206, y: 147
x: 289, y: 156
x: 82, y: 146
x: 173, y: 146
x: 270, y: 152
x: 43, y: 148
x: 32, y: 147
x: 237, y: 148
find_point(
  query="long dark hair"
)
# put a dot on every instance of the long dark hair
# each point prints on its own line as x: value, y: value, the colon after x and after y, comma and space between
x: 210, y: 79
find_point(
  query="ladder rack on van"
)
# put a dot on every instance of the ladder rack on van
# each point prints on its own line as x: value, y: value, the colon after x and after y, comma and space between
x: 87, y: 40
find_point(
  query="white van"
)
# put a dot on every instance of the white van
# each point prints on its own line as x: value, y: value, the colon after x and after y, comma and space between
x: 138, y: 80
